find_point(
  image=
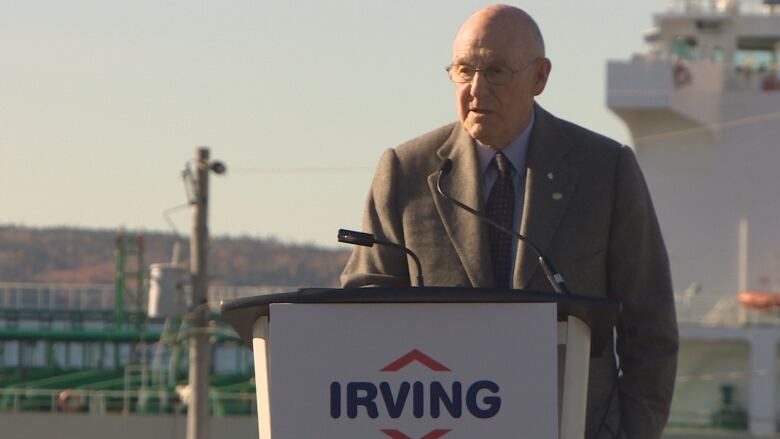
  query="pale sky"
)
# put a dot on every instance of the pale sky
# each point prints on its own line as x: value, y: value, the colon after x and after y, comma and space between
x: 103, y: 102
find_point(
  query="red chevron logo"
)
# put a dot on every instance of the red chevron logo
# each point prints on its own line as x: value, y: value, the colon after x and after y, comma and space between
x: 415, y: 355
x: 435, y: 434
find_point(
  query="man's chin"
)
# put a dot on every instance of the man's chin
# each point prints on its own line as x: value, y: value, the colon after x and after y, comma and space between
x: 484, y: 136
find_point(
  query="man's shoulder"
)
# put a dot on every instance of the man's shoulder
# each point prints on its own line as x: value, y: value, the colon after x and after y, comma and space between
x: 556, y: 138
x: 428, y: 143
x: 419, y: 156
x: 584, y: 137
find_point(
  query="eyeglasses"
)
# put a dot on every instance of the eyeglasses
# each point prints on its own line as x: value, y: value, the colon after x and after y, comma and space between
x: 494, y: 75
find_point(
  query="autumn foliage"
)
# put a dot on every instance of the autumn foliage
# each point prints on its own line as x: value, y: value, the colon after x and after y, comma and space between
x: 75, y: 255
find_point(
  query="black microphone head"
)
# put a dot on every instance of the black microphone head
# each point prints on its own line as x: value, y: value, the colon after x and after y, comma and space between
x: 446, y: 167
x: 356, y: 238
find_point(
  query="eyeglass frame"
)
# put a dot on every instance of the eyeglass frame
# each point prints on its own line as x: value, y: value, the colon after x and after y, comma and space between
x: 487, y: 76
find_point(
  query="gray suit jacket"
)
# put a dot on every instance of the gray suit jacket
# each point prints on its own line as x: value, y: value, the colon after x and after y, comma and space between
x: 587, y: 208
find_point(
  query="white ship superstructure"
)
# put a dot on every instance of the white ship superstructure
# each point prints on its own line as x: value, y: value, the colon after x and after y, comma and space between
x: 703, y: 108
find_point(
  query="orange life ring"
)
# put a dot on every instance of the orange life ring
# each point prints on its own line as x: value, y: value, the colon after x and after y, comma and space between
x: 761, y: 300
x: 69, y: 401
x: 682, y: 76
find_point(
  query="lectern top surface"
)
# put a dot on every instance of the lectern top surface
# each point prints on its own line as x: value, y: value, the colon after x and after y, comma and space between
x: 600, y: 314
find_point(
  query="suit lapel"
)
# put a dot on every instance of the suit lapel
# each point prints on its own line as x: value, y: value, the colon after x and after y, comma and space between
x: 465, y: 231
x: 550, y: 184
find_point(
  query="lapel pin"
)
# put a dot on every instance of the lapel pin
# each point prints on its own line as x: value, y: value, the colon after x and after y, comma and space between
x: 557, y: 196
x: 550, y: 175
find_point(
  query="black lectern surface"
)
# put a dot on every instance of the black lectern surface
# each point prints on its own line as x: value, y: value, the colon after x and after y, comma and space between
x: 600, y: 314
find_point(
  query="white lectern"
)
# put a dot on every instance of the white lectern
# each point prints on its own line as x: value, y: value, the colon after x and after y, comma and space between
x: 422, y: 362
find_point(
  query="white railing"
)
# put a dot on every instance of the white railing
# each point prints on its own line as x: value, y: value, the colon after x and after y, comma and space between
x: 721, y: 7
x: 95, y: 297
x: 140, y: 401
x: 697, y: 309
x: 659, y: 75
x: 721, y: 311
x: 56, y: 296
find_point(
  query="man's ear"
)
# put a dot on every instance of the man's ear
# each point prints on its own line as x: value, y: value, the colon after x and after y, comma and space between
x: 542, y: 72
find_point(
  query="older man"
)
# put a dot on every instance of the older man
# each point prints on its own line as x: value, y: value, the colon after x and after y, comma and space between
x: 577, y: 195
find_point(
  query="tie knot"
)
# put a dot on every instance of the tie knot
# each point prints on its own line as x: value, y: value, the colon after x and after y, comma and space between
x: 504, y: 166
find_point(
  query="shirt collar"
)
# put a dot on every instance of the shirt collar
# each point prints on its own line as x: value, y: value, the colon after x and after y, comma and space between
x: 516, y: 151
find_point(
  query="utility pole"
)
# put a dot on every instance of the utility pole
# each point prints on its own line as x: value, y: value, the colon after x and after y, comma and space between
x: 200, y: 351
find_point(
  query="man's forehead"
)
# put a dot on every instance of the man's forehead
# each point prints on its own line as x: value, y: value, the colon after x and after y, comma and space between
x: 479, y: 56
x: 474, y: 52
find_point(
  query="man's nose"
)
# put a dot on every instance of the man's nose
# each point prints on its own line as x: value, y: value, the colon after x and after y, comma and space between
x: 479, y: 84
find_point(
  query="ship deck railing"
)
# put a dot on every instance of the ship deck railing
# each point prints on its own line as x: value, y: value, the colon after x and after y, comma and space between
x: 702, y: 310
x: 648, y: 75
x: 147, y: 401
x: 97, y: 297
x: 721, y: 7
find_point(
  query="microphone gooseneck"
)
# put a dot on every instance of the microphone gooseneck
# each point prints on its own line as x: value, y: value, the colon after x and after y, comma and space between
x: 553, y: 276
x: 368, y: 240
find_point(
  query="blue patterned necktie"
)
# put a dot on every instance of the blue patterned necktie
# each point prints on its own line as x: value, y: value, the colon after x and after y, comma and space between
x: 501, y: 209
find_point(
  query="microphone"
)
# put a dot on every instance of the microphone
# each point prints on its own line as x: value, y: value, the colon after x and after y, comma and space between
x: 553, y: 275
x: 368, y: 240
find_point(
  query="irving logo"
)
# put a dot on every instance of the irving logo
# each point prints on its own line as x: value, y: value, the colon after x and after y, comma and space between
x: 428, y: 400
x: 435, y: 434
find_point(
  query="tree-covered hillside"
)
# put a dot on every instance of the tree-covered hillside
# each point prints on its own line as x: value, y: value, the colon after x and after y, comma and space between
x: 87, y: 256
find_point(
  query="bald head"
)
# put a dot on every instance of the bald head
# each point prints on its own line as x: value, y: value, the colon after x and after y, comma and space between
x: 505, y: 25
x: 499, y: 67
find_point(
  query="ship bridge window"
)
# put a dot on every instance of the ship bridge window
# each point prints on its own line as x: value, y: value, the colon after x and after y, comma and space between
x: 94, y: 355
x: 33, y: 354
x: 75, y: 355
x: 713, y: 26
x: 95, y: 325
x: 107, y: 359
x: 684, y: 47
x: 754, y: 61
x: 29, y: 324
x: 59, y: 352
x: 125, y: 352
x: 10, y: 353
x: 757, y: 53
